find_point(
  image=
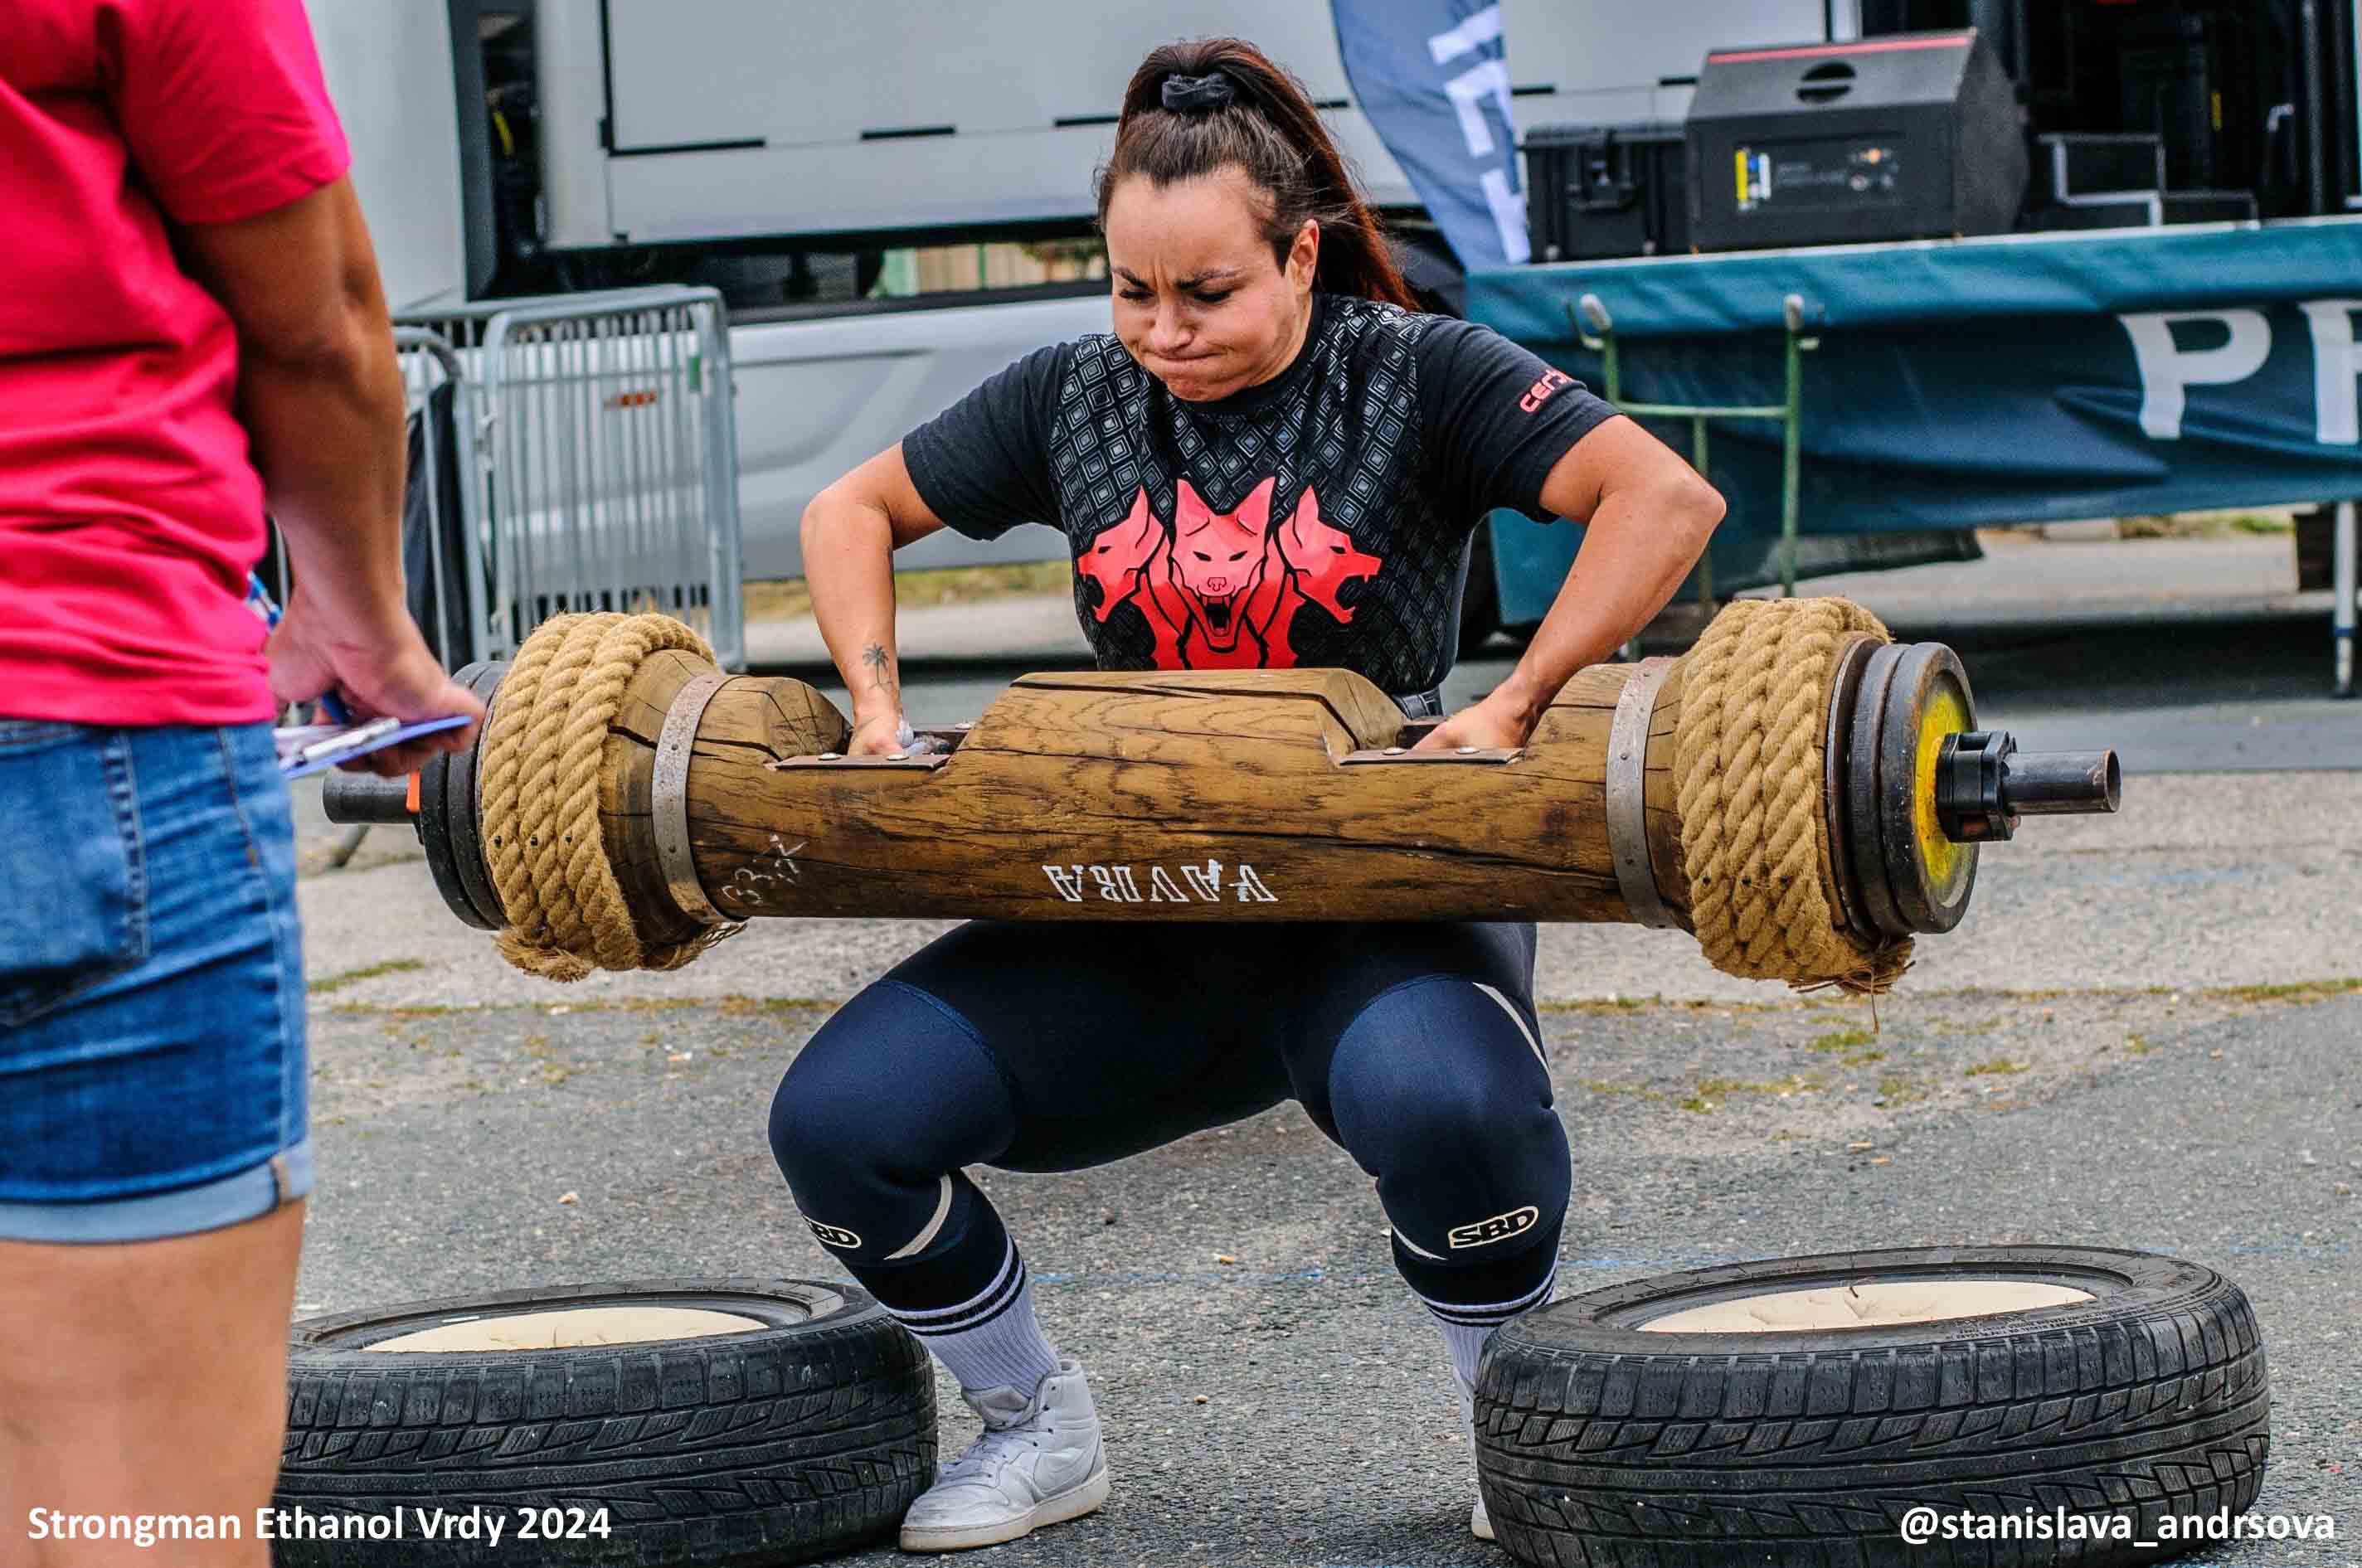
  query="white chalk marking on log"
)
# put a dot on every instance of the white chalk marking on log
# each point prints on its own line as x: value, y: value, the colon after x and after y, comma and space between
x: 745, y: 886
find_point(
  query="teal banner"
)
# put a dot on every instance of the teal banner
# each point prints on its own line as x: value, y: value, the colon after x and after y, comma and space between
x: 1970, y: 383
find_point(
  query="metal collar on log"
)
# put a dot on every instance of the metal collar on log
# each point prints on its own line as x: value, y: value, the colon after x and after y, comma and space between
x: 670, y: 797
x: 1628, y: 816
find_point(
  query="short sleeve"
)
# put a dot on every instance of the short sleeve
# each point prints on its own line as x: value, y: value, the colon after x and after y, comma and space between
x: 983, y: 464
x: 222, y: 105
x: 1498, y: 417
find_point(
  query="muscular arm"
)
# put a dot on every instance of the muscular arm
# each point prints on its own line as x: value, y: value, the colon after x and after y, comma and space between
x: 1650, y: 515
x: 319, y: 390
x: 320, y: 394
x: 851, y: 530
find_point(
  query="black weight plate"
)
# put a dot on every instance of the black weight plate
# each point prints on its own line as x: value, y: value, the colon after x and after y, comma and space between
x: 465, y: 818
x: 1930, y: 875
x: 1864, y: 844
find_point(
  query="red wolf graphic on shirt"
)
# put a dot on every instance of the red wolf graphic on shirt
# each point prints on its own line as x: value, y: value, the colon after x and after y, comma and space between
x: 1220, y: 590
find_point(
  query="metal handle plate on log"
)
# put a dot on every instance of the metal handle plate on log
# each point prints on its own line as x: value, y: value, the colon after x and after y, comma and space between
x: 668, y: 795
x: 1627, y: 815
x: 1482, y: 754
x: 923, y: 762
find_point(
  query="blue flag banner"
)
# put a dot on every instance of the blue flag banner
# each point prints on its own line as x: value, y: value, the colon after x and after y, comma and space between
x: 1969, y: 383
x: 1433, y: 77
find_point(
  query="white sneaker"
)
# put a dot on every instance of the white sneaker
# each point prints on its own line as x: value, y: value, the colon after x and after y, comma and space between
x: 1480, y: 1523
x: 1038, y: 1463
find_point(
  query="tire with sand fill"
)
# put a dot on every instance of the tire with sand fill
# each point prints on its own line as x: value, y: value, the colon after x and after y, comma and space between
x: 1789, y: 1413
x: 708, y: 1421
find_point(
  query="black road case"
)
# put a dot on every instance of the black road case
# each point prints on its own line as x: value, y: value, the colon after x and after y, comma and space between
x: 1597, y: 192
x: 1909, y: 137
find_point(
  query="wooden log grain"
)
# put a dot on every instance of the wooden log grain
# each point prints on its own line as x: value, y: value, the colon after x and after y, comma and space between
x: 1159, y: 795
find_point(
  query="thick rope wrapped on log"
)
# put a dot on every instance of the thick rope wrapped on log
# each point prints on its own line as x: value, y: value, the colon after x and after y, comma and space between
x: 544, y: 747
x: 1800, y: 791
x: 1752, y: 762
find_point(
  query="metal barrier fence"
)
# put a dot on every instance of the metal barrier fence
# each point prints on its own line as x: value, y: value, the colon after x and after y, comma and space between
x: 443, y: 558
x: 604, y: 445
x: 442, y: 530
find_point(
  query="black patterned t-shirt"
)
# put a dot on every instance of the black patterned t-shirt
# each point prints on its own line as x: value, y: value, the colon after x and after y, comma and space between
x: 1321, y: 518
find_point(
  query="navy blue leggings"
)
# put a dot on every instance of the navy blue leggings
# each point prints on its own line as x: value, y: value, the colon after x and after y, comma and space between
x: 1033, y: 1047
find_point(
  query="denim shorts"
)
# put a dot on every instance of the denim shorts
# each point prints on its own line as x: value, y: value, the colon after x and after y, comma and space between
x: 152, y: 1078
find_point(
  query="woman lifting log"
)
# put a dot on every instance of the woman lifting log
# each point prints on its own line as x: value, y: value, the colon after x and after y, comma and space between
x: 1272, y: 460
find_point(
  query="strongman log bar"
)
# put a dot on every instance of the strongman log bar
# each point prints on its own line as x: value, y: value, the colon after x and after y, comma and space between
x: 1289, y: 794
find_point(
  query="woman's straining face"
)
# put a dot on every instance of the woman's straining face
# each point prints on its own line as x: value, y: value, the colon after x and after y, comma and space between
x: 1200, y: 301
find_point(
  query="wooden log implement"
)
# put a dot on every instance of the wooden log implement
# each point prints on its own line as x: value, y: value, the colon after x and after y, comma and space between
x: 1267, y: 794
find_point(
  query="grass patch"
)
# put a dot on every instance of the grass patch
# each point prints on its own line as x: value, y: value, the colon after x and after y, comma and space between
x: 750, y: 1007
x: 328, y: 983
x: 1896, y: 1089
x: 1998, y: 1064
x: 1842, y: 1040
x: 2204, y: 525
x: 729, y: 1006
x: 2137, y: 1045
x: 1681, y: 1004
x: 790, y: 598
x: 1863, y: 1058
x: 1711, y: 1091
x: 2294, y: 991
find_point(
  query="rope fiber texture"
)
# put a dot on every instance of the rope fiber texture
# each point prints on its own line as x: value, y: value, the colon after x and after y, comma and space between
x: 539, y: 796
x: 1748, y: 772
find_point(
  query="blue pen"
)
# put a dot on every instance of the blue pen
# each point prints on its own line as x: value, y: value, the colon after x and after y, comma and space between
x: 258, y: 600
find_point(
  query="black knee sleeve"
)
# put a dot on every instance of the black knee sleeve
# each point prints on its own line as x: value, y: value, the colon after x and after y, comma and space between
x: 1439, y: 1090
x: 871, y: 1126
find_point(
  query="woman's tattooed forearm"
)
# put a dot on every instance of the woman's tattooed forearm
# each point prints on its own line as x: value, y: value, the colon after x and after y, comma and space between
x: 881, y: 667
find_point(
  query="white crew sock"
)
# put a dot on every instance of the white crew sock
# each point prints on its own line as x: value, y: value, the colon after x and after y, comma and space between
x: 992, y: 1339
x: 1465, y: 1328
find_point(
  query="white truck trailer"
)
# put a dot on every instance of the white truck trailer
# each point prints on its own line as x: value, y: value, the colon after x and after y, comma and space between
x: 508, y: 146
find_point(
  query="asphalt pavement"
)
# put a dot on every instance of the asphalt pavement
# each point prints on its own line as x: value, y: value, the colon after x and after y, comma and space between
x: 2144, y: 1035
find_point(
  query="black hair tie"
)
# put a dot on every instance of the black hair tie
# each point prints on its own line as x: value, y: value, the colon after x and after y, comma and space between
x: 1198, y: 94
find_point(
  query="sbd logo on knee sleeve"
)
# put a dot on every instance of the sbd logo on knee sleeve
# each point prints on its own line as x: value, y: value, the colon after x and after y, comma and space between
x: 838, y: 1237
x: 1500, y: 1228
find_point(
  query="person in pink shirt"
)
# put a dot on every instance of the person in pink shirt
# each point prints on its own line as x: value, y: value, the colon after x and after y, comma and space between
x: 192, y: 329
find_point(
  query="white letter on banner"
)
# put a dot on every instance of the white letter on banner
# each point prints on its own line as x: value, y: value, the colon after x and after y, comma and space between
x: 1467, y: 92
x: 2335, y: 364
x: 1508, y: 216
x: 1481, y: 29
x: 2165, y: 370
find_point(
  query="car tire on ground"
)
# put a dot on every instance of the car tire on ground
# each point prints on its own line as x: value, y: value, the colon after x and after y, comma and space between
x: 799, y: 1423
x: 1601, y: 1441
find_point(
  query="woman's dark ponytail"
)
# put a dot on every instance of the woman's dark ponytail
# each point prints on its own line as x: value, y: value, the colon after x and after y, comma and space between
x: 1193, y: 108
